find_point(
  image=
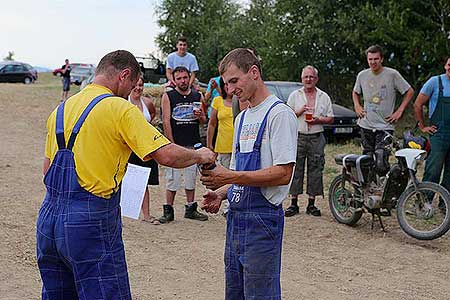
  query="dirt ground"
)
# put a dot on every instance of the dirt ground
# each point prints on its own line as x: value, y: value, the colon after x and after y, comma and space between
x: 184, y: 259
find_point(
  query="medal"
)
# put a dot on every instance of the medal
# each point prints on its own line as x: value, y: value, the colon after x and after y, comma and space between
x: 376, y: 100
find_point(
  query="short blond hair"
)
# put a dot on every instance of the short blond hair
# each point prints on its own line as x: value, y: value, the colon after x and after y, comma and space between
x: 242, y: 58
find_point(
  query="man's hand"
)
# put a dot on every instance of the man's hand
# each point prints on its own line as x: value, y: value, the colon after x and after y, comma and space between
x: 205, y: 156
x: 215, y: 178
x: 429, y: 129
x: 300, y: 111
x: 314, y: 121
x: 198, y: 113
x: 359, y: 110
x: 213, y: 84
x: 211, y: 202
x: 394, y: 117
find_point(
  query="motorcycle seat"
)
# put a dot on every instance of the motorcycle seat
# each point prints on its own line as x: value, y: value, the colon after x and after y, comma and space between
x: 352, y: 159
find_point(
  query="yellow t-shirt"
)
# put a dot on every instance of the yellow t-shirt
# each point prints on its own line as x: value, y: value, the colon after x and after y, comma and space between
x: 113, y: 129
x: 225, y: 130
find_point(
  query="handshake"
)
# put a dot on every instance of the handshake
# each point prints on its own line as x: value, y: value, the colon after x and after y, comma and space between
x: 213, y: 177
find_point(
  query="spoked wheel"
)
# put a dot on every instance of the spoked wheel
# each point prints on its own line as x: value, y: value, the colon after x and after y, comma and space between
x: 424, y: 214
x: 344, y: 203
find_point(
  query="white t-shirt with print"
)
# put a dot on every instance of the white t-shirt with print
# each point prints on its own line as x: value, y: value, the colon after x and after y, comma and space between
x: 279, y: 143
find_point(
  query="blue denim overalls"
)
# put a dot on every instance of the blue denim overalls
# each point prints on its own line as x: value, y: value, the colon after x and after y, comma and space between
x: 254, y: 233
x: 79, y: 245
x: 439, y: 157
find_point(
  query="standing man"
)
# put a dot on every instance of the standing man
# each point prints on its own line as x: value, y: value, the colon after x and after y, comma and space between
x: 80, y: 252
x: 65, y: 71
x: 378, y: 86
x: 437, y: 91
x: 263, y: 158
x: 181, y: 58
x: 311, y: 141
x: 181, y: 126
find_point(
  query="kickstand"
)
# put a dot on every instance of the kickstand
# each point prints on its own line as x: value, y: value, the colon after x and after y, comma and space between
x: 379, y: 219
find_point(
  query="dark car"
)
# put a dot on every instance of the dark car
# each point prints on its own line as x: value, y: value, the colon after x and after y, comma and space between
x: 344, y: 119
x: 153, y: 70
x: 13, y: 71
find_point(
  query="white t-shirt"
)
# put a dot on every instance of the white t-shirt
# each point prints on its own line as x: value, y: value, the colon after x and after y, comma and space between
x: 189, y: 61
x: 322, y: 108
x: 279, y: 143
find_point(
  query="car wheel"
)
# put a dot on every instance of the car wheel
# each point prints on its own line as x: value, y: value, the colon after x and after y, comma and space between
x: 27, y: 80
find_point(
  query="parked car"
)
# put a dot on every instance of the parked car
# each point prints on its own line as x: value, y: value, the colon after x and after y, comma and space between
x: 153, y: 69
x: 344, y: 119
x: 13, y: 71
x: 58, y: 71
x: 80, y: 73
x: 87, y: 81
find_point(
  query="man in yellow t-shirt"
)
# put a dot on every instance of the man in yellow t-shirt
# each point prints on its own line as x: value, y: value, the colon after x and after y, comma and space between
x: 90, y: 137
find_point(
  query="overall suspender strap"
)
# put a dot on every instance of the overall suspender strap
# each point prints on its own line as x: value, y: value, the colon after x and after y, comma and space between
x: 241, y: 121
x: 262, y: 127
x: 60, y: 127
x: 82, y: 118
x: 441, y: 87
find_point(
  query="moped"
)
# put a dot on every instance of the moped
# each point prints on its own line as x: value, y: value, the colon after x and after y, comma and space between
x: 422, y: 208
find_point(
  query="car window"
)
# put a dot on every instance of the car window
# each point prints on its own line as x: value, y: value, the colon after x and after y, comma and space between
x: 8, y: 68
x: 18, y: 68
x: 286, y: 90
x: 82, y: 71
x: 272, y: 89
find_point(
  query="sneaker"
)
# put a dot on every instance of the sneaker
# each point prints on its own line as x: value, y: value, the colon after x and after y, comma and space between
x: 291, y: 211
x: 313, y: 211
x: 192, y: 213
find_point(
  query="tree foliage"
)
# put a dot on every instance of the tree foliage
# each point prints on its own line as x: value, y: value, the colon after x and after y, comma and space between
x: 329, y: 34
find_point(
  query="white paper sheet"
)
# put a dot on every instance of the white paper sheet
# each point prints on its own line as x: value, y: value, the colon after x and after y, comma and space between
x: 134, y: 184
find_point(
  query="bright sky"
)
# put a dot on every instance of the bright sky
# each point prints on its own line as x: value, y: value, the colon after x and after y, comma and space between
x: 45, y: 32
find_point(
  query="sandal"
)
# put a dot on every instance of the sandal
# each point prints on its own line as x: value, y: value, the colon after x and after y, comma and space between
x: 152, y: 220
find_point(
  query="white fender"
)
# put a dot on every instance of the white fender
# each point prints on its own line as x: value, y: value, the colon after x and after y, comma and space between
x: 411, y: 156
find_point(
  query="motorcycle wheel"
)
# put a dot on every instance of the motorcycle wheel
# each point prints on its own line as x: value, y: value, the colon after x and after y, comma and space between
x: 343, y: 206
x: 424, y: 214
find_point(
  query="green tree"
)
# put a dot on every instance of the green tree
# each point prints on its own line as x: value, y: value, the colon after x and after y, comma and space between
x: 206, y: 24
x: 329, y: 34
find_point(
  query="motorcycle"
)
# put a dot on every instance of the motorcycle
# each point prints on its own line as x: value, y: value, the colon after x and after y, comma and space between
x: 422, y: 208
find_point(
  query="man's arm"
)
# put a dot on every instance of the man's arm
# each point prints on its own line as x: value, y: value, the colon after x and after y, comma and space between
x: 45, y: 165
x: 169, y: 74
x: 192, y: 78
x: 211, y: 129
x: 271, y: 176
x: 359, y: 110
x: 165, y: 108
x: 175, y: 156
x: 421, y: 100
x: 200, y: 114
x: 399, y: 112
x: 321, y: 120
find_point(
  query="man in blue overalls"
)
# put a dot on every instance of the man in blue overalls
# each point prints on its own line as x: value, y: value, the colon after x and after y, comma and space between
x: 90, y: 136
x: 437, y: 90
x: 263, y: 158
